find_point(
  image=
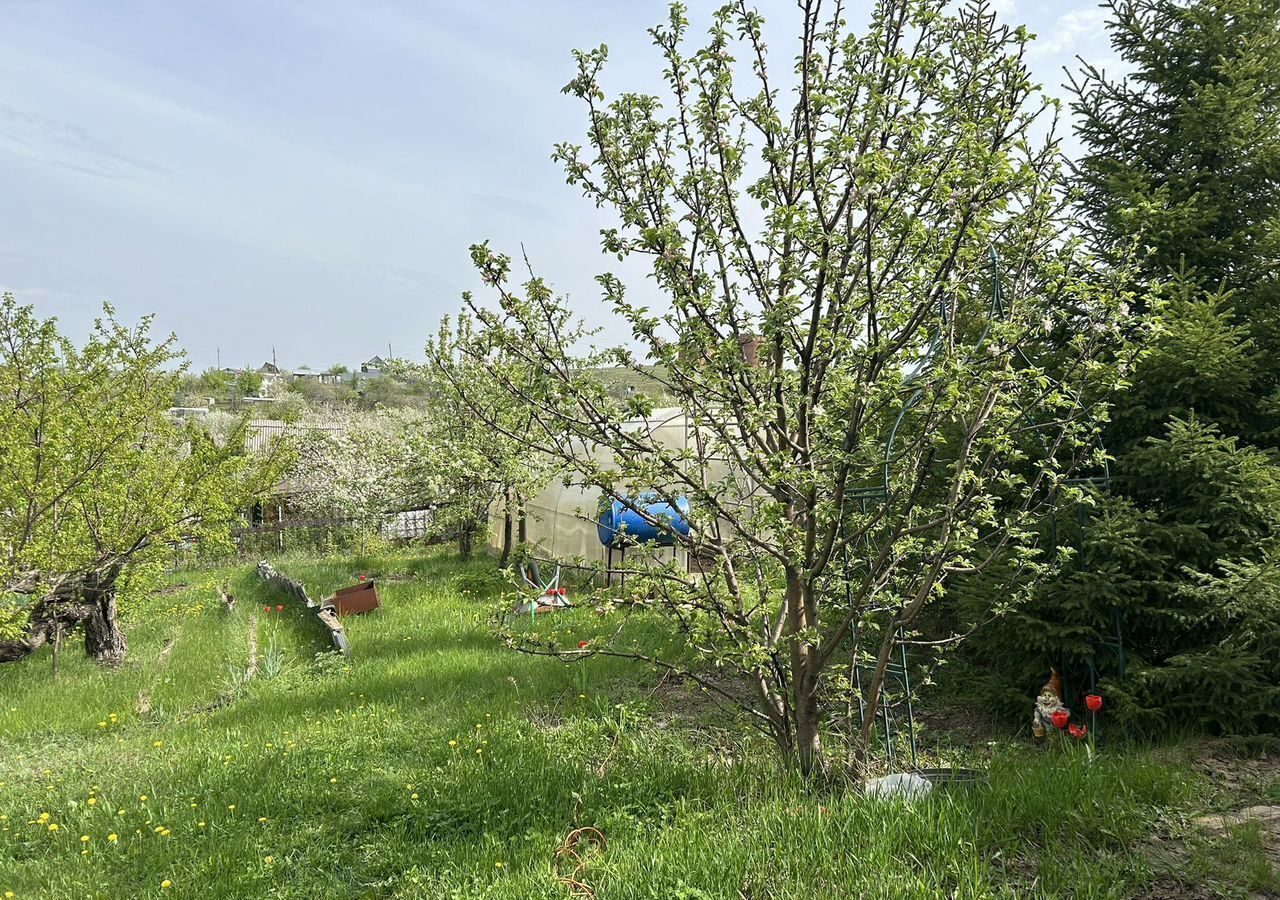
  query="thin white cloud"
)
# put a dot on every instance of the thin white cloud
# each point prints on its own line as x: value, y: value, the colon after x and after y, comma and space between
x: 1072, y: 31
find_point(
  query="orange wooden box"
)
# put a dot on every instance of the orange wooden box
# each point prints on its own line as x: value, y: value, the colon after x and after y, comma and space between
x: 359, y: 598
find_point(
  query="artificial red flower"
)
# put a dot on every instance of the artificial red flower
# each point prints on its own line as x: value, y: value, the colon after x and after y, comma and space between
x: 1078, y: 731
x: 363, y: 577
x: 1060, y: 718
x: 564, y: 592
x: 279, y: 609
x: 581, y: 644
x: 1093, y: 701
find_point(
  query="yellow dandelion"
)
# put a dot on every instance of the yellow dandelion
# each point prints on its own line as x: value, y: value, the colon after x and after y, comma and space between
x: 268, y: 859
x: 113, y: 837
x: 120, y: 811
x: 42, y: 818
x: 53, y: 826
x: 166, y: 884
x: 413, y: 796
x: 479, y: 750
x: 199, y: 824
x: 159, y: 828
x: 84, y: 838
x: 142, y: 799
x: 499, y: 865
x: 333, y: 781
x: 453, y: 743
x: 92, y: 801
x: 262, y: 818
x: 231, y: 806
x: 157, y: 743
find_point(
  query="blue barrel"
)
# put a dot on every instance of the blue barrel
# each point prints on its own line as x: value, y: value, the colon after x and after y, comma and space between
x: 620, y: 525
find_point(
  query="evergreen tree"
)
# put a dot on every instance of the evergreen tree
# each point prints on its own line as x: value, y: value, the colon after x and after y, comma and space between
x: 1181, y: 169
x: 1184, y: 153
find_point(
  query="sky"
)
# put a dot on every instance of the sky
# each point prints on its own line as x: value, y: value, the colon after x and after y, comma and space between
x: 305, y: 177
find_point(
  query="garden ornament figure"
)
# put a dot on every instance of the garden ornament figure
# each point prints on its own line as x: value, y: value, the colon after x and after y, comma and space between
x: 1048, y: 703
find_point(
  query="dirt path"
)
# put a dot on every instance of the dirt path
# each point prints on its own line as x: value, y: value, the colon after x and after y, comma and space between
x: 252, y: 670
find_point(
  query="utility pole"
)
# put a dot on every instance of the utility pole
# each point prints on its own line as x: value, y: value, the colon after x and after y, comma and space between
x: 219, y: 352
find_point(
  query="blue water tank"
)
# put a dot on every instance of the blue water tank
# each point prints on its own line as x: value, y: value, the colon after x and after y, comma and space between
x: 620, y: 525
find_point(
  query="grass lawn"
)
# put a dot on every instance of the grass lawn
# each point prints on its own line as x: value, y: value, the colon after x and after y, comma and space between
x: 439, y: 765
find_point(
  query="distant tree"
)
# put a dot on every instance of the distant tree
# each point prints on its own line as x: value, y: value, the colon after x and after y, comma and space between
x: 474, y: 463
x: 215, y: 383
x: 356, y: 464
x: 898, y: 432
x: 248, y: 384
x: 96, y: 479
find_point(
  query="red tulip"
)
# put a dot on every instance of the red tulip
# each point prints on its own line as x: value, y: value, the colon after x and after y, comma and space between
x: 266, y: 609
x: 279, y: 609
x: 581, y: 644
x: 1060, y: 718
x: 1078, y: 731
x: 1093, y: 701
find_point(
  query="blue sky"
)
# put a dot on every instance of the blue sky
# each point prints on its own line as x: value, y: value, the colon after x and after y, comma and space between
x: 308, y: 174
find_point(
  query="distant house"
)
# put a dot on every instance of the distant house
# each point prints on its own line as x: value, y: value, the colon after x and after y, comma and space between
x: 317, y: 377
x: 270, y: 373
x: 374, y: 367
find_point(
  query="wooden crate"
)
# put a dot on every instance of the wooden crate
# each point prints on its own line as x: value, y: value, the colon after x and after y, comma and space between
x: 359, y: 598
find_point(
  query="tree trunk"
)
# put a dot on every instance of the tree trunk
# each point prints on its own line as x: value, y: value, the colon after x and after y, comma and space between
x: 58, y: 612
x: 872, y: 695
x: 465, y: 537
x: 808, y: 746
x: 103, y: 638
x: 505, y: 559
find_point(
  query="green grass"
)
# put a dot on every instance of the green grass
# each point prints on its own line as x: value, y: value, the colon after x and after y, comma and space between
x: 439, y: 765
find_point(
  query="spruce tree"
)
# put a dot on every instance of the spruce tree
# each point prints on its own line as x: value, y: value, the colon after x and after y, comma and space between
x: 1180, y: 171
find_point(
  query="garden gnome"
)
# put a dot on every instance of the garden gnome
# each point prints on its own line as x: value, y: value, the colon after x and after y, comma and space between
x: 1048, y: 703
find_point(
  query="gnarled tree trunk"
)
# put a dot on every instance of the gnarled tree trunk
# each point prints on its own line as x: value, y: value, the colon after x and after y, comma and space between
x: 88, y: 598
x: 103, y: 638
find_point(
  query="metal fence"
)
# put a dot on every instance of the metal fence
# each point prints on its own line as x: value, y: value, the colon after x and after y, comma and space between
x: 261, y: 432
x: 337, y: 535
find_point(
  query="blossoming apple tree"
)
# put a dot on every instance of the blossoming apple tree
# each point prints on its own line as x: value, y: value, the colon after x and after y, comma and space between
x: 907, y: 421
